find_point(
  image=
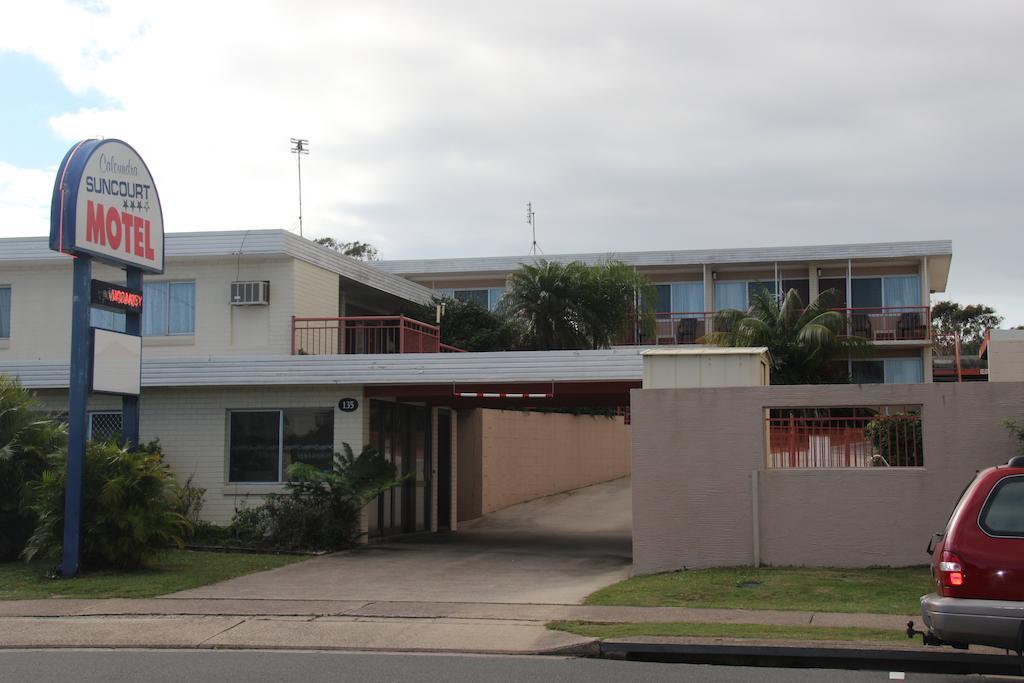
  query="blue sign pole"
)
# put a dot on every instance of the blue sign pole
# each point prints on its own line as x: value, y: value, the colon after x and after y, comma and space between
x: 78, y: 396
x: 130, y: 404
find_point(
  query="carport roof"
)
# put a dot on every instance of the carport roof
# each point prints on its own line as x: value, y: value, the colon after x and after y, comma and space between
x: 623, y: 365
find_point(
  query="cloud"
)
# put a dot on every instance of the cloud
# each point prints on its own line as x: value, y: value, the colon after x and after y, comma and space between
x: 640, y: 125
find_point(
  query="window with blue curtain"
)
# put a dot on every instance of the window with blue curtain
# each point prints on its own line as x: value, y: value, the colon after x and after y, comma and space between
x: 688, y: 298
x: 904, y: 371
x: 494, y: 295
x: 730, y: 295
x: 904, y: 290
x: 5, y: 312
x: 106, y: 320
x: 168, y: 308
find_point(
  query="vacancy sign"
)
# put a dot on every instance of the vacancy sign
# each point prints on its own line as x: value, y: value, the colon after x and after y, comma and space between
x: 105, y: 204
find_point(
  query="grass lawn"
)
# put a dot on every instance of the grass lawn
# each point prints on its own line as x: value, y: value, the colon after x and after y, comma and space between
x: 879, y: 590
x: 698, y: 630
x: 174, y: 571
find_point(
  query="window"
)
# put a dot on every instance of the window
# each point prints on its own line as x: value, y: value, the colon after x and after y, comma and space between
x: 106, y: 320
x: 681, y: 297
x: 887, y: 371
x: 835, y: 283
x: 730, y: 295
x: 103, y: 426
x: 738, y: 294
x: 5, y: 312
x: 866, y: 292
x: 169, y: 308
x: 903, y: 371
x: 902, y: 291
x: 867, y: 372
x: 1003, y: 514
x: 263, y: 443
x: 488, y: 298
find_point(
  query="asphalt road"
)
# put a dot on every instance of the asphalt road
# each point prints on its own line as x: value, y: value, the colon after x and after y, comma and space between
x: 154, y: 666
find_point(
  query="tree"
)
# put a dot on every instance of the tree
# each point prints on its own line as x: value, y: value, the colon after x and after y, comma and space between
x: 970, y: 322
x: 471, y: 327
x: 27, y: 441
x: 576, y: 306
x: 807, y: 345
x: 364, y: 251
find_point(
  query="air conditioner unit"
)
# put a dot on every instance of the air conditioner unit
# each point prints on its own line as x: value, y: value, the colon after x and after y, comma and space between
x: 254, y: 293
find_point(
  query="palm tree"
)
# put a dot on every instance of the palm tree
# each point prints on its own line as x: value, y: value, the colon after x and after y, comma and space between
x: 807, y: 345
x: 576, y: 306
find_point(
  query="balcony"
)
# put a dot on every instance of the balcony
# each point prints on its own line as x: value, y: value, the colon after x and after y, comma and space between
x: 365, y: 335
x: 889, y: 323
x: 878, y: 324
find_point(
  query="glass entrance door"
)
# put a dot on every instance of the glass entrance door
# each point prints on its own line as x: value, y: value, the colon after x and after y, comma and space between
x: 402, y: 434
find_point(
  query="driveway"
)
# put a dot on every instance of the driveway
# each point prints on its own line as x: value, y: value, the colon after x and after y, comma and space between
x: 553, y: 550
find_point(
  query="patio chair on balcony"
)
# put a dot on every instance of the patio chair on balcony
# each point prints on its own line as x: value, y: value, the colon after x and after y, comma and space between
x: 909, y: 326
x: 860, y: 325
x: 686, y: 331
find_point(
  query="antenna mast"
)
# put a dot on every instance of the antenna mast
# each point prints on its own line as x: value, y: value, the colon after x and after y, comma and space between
x: 300, y: 147
x: 531, y: 218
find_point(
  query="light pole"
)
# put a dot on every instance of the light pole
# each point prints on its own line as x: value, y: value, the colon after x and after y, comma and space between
x: 300, y: 147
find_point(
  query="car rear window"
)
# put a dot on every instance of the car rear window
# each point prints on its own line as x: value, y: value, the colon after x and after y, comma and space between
x: 1003, y: 514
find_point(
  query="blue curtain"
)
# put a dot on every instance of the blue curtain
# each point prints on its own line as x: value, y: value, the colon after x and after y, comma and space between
x: 106, y: 320
x: 903, y: 371
x: 154, y: 309
x: 688, y: 297
x: 182, y: 308
x: 730, y: 295
x: 5, y: 312
x: 902, y: 291
x: 494, y: 295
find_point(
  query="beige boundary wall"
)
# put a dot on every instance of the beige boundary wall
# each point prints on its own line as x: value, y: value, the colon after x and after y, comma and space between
x: 699, y: 479
x: 507, y: 457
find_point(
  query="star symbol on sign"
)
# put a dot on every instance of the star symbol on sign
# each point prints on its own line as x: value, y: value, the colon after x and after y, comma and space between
x: 124, y: 204
x: 132, y: 204
x: 147, y: 206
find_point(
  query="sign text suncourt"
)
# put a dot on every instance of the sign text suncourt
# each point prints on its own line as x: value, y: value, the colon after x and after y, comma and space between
x: 105, y: 204
x: 115, y: 297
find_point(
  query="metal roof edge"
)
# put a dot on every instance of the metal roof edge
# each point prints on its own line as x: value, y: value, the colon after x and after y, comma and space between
x: 679, y: 257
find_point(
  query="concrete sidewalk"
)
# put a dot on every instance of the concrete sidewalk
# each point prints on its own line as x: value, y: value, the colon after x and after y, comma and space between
x: 352, y: 625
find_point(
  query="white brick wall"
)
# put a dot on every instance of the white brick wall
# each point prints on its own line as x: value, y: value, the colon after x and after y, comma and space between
x: 191, y: 424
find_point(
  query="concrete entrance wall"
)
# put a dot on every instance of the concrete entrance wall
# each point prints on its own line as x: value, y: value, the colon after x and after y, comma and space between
x: 700, y: 481
x: 507, y: 457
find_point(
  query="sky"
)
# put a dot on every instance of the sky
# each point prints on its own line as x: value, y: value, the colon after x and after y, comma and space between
x: 630, y: 126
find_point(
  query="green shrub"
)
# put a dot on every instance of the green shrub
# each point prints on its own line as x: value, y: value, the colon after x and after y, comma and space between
x: 188, y: 502
x: 897, y: 439
x: 321, y: 511
x: 128, y: 511
x: 1016, y: 432
x: 27, y: 440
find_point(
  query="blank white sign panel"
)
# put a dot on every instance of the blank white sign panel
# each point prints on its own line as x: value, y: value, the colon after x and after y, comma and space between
x: 116, y: 363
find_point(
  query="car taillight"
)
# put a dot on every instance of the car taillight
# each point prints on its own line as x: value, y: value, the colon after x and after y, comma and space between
x: 951, y: 570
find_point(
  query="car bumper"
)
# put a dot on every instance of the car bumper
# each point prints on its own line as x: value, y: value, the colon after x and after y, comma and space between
x: 996, y: 623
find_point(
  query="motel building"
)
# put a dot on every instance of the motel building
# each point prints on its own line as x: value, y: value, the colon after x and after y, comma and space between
x: 261, y: 348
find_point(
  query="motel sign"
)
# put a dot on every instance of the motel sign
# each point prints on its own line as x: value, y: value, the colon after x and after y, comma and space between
x: 105, y: 207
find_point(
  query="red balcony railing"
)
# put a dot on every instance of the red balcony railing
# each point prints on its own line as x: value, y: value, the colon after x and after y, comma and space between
x: 366, y: 334
x: 672, y: 328
x: 893, y: 440
x: 888, y: 323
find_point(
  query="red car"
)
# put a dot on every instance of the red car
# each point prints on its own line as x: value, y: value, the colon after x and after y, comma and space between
x: 978, y: 565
